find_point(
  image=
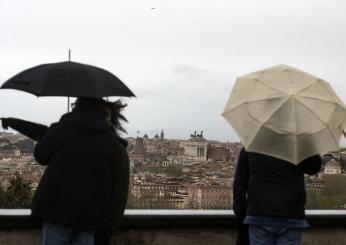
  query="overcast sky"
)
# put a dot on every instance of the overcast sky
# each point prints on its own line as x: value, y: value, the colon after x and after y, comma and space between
x: 181, y: 58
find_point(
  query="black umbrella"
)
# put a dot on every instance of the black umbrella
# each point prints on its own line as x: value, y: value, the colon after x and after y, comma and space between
x: 68, y: 79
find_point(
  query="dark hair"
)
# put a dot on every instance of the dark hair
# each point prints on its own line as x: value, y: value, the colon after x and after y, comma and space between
x: 116, y: 116
x: 91, y: 105
x: 102, y: 108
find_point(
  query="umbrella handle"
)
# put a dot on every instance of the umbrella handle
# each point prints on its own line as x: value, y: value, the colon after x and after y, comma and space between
x: 68, y: 104
x: 68, y: 98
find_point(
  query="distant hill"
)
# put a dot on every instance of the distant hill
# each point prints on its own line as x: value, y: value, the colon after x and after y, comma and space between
x: 9, y: 142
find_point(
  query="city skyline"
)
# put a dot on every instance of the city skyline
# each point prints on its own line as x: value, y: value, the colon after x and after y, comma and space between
x: 193, y: 173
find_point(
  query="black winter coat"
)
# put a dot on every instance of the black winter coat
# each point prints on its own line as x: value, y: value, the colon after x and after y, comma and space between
x: 241, y: 185
x: 240, y: 190
x: 87, y: 173
x: 276, y: 187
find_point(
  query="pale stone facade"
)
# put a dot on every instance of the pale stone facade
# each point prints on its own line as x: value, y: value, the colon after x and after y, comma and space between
x: 196, y: 149
x: 332, y: 167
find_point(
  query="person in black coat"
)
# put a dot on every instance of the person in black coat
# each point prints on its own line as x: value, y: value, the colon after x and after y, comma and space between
x: 240, y: 191
x: 120, y: 183
x: 276, y: 198
x: 85, y: 185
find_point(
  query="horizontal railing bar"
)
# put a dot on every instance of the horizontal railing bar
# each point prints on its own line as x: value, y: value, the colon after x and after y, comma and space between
x: 170, y: 212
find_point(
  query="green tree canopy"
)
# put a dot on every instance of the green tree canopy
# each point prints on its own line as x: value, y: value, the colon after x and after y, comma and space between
x: 17, y: 195
x: 331, y: 196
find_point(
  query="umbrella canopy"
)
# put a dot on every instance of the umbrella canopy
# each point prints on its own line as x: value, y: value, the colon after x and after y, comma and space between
x: 285, y: 113
x: 68, y: 79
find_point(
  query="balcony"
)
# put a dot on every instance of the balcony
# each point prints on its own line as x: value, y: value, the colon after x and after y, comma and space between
x: 176, y: 227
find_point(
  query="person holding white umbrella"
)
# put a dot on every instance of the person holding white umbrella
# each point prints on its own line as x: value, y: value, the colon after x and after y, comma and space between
x: 286, y: 119
x: 276, y: 198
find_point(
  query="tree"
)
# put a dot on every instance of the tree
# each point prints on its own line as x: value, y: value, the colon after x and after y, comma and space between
x: 2, y: 197
x: 331, y: 196
x: 17, y: 195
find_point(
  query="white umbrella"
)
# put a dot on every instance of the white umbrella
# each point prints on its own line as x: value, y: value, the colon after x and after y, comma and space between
x: 286, y: 113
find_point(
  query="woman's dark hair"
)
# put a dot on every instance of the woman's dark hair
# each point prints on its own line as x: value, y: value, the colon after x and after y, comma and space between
x: 102, y: 108
x: 116, y: 116
x: 91, y: 105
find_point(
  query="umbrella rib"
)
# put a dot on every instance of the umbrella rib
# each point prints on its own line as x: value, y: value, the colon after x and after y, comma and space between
x: 250, y: 101
x: 311, y: 84
x: 295, y: 135
x: 308, y: 85
x: 265, y: 85
x: 321, y: 99
x: 267, y: 119
x: 328, y: 127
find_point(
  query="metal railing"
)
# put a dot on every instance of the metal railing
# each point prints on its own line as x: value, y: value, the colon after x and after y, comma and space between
x: 144, y: 218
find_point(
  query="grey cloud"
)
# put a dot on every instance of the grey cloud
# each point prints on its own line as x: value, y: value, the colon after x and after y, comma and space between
x: 189, y: 71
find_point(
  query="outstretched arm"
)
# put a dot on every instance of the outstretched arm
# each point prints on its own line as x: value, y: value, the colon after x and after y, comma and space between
x: 32, y: 130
